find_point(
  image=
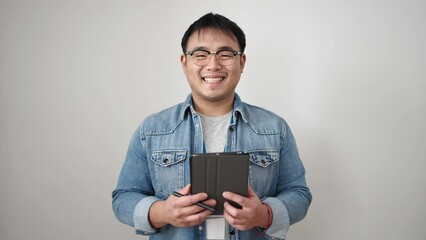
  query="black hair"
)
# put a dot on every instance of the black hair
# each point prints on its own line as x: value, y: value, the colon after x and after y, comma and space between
x: 219, y: 22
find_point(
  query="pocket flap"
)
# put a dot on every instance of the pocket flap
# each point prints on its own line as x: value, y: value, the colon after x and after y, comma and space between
x: 264, y: 158
x: 168, y: 157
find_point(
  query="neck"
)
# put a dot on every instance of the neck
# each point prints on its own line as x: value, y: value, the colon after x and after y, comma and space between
x: 213, y: 108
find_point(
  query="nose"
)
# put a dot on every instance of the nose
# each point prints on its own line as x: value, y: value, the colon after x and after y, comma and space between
x: 213, y: 64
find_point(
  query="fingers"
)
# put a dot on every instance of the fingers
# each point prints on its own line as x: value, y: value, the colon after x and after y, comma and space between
x: 248, y: 216
x: 188, y: 200
x: 236, y: 217
x: 187, y: 206
x: 183, y: 210
x: 231, y: 213
x: 196, y: 198
x: 235, y: 198
x: 182, y: 219
x: 238, y: 198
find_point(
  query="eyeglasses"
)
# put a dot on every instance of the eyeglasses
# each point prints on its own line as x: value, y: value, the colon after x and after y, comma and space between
x: 202, y: 57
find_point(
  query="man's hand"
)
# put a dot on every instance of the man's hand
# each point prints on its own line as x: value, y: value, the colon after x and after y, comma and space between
x: 253, y: 213
x: 180, y: 211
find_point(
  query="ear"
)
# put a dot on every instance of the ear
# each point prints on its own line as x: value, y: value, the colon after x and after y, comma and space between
x: 242, y: 61
x: 183, y: 62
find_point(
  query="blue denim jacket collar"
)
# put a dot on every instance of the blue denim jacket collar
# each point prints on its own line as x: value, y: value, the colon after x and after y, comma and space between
x: 238, y: 107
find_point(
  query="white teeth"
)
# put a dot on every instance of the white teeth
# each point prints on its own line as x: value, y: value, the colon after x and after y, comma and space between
x: 213, y: 80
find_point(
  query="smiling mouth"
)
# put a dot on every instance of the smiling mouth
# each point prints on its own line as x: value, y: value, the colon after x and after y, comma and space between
x: 212, y: 80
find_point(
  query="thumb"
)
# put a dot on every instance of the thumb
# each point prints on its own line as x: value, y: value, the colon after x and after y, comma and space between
x: 186, y: 190
x: 251, y: 192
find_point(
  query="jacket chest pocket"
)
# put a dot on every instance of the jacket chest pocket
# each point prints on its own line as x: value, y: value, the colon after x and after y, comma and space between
x: 263, y: 171
x: 169, y: 167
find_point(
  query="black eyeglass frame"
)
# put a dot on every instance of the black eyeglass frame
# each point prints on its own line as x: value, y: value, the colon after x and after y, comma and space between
x: 190, y: 53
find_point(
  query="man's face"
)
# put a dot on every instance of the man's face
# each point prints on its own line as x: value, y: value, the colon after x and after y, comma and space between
x: 212, y: 82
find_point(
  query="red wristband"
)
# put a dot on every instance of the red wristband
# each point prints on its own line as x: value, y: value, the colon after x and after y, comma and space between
x: 268, y: 209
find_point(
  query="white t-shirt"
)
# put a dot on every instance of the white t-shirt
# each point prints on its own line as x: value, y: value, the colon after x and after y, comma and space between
x: 215, y: 133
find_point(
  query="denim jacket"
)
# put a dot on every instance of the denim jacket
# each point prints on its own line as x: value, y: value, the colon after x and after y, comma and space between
x: 157, y: 163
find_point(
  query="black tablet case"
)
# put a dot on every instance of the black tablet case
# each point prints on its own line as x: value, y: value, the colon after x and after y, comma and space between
x: 215, y: 173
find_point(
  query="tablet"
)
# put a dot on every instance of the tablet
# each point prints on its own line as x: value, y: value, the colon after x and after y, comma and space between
x: 215, y: 173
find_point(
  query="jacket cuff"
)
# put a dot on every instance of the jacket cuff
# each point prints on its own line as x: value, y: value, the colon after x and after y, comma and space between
x: 280, y: 219
x: 141, y: 216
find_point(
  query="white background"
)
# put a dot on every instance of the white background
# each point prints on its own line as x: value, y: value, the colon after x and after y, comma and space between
x: 77, y: 77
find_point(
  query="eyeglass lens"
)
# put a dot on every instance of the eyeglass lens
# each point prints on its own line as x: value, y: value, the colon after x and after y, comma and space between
x: 202, y: 57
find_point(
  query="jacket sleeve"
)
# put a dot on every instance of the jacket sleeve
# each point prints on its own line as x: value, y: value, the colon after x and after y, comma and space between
x: 134, y: 193
x: 293, y: 197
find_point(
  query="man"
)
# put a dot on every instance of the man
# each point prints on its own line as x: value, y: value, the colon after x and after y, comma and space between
x: 212, y: 119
